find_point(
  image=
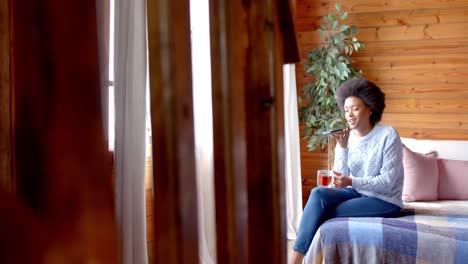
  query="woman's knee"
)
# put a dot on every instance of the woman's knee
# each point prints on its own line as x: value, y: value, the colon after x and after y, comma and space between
x: 317, y: 192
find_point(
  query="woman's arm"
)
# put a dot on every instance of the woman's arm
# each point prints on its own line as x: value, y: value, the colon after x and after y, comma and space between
x: 341, y: 160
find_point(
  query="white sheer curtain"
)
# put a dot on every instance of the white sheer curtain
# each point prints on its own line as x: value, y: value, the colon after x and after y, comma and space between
x: 130, y: 91
x: 203, y: 120
x: 292, y: 149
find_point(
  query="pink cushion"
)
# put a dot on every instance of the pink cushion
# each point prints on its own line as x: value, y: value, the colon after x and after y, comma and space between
x: 453, y: 179
x: 421, y: 176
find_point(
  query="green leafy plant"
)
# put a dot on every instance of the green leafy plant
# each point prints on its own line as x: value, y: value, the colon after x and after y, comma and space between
x: 330, y: 64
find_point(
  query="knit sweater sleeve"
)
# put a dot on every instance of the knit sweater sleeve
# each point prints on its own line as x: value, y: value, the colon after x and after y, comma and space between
x: 389, y: 173
x: 341, y: 160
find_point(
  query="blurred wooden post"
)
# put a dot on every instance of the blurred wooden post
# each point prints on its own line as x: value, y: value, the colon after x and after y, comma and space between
x: 248, y: 51
x: 290, y: 44
x: 175, y: 192
x: 265, y: 139
x: 60, y: 155
x: 6, y: 177
x: 229, y: 45
x: 31, y: 98
x: 60, y: 97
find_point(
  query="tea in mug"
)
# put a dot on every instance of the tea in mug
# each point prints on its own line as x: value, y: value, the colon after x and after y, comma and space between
x: 324, y: 178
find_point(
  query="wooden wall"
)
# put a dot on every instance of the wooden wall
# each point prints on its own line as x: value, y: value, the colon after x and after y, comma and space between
x: 417, y: 52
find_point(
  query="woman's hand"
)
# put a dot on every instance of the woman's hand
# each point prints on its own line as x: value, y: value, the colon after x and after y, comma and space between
x: 342, y: 137
x: 341, y: 181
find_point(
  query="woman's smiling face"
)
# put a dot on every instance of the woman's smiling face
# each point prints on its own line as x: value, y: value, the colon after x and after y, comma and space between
x: 357, y: 113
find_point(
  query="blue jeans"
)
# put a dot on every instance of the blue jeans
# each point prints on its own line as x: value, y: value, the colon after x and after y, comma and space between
x: 326, y: 203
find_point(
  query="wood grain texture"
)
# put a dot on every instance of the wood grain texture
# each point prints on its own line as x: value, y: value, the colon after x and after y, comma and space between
x: 393, y: 18
x: 175, y: 193
x: 414, y: 47
x: 424, y: 76
x: 433, y: 133
x: 399, y: 33
x: 433, y: 62
x: 429, y: 91
x: 416, y: 51
x: 61, y: 160
x: 6, y: 176
x: 289, y: 41
x: 308, y: 8
x: 417, y: 76
x: 229, y: 129
x: 264, y: 131
x: 428, y: 106
x: 427, y: 120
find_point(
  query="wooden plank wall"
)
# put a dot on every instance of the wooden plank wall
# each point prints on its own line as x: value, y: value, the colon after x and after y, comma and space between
x: 417, y: 52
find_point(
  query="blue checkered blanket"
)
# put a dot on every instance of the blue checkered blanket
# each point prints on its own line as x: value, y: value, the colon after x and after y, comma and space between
x: 412, y: 238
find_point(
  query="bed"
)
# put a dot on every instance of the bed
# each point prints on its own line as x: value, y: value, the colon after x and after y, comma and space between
x: 426, y: 232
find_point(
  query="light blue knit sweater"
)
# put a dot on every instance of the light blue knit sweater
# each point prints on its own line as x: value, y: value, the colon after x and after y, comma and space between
x: 375, y: 162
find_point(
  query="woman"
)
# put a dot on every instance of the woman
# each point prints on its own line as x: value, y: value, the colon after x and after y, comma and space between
x: 368, y: 169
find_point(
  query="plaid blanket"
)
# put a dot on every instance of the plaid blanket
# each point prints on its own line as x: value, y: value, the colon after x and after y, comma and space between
x: 415, y: 237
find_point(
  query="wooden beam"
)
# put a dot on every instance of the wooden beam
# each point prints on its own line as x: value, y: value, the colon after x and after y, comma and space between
x: 60, y: 156
x: 60, y: 98
x: 289, y: 39
x: 247, y: 59
x: 265, y: 139
x: 175, y: 192
x: 30, y: 98
x: 229, y: 128
x: 6, y: 176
